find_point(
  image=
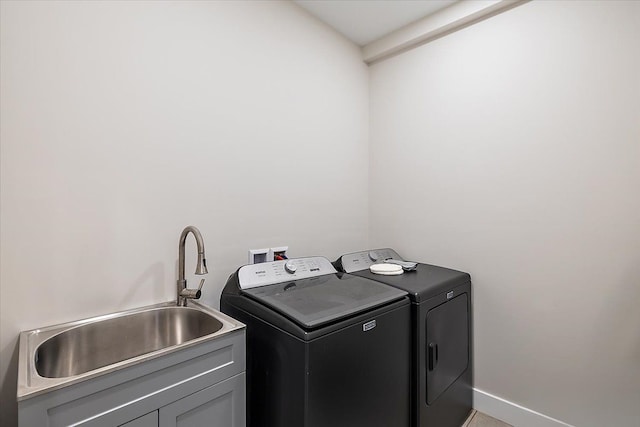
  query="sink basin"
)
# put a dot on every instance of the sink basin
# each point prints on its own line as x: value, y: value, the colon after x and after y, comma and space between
x: 57, y: 356
x: 95, y: 345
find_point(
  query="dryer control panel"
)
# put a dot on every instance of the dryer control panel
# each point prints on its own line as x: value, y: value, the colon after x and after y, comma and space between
x: 358, y: 261
x: 269, y: 273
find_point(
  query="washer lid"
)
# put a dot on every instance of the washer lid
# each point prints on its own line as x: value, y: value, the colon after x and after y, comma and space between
x: 316, y: 301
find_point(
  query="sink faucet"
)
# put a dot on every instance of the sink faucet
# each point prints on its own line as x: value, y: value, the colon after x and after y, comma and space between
x: 185, y: 293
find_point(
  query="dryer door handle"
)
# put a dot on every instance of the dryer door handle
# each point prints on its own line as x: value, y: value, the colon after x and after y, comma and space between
x: 433, y: 356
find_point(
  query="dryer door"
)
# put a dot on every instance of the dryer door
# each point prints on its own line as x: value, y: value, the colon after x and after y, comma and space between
x: 447, y: 344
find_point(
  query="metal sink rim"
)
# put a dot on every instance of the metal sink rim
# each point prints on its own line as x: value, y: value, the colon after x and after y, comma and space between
x: 31, y: 384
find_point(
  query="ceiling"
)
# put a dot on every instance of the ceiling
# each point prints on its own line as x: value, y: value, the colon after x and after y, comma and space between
x: 363, y: 21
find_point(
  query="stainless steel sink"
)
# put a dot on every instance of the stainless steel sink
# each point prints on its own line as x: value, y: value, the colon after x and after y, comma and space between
x: 57, y: 356
x: 94, y: 345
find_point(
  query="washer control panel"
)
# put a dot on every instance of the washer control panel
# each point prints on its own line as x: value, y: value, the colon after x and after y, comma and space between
x: 269, y: 273
x: 290, y: 267
x: 363, y: 260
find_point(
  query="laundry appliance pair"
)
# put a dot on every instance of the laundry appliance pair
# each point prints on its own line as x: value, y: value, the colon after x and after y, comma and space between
x: 329, y: 348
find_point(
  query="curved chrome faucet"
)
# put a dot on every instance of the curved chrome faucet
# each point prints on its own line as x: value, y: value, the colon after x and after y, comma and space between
x: 183, y: 293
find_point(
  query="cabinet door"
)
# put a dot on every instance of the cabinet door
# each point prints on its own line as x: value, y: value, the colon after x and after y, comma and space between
x: 447, y: 345
x: 221, y: 405
x: 149, y: 420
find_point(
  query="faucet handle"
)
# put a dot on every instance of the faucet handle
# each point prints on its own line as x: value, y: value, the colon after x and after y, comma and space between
x: 192, y: 293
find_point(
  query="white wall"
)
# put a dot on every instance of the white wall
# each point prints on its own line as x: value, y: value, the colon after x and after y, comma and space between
x: 511, y: 149
x: 516, y: 144
x: 123, y: 122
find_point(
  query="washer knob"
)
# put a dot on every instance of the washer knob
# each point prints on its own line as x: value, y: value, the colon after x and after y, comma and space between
x: 290, y: 267
x: 373, y: 256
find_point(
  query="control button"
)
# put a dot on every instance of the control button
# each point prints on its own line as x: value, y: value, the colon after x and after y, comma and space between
x: 373, y: 256
x: 290, y: 267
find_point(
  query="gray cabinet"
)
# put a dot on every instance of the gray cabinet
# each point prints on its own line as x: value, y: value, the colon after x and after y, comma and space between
x: 202, y: 380
x: 221, y: 405
x: 149, y: 420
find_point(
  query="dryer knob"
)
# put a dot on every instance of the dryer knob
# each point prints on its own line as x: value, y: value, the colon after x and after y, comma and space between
x: 290, y: 267
x: 373, y: 256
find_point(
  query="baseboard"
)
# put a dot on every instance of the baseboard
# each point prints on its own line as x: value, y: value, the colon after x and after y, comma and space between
x: 512, y: 413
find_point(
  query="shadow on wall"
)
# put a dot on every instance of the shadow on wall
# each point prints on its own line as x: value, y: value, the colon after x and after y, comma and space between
x: 622, y: 300
x: 8, y: 403
x: 152, y: 278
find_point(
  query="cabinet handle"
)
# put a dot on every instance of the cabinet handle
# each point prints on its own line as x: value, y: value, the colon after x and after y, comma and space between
x: 433, y: 356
